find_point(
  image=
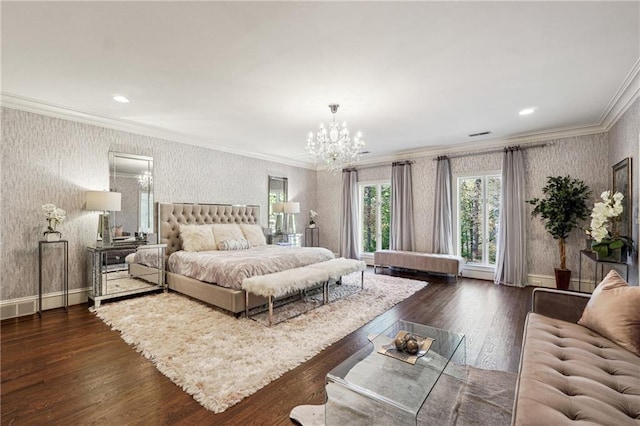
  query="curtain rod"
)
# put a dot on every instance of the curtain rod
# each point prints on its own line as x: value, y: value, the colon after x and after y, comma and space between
x: 381, y: 164
x: 493, y: 151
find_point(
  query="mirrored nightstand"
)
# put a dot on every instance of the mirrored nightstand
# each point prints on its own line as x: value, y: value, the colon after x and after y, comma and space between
x: 122, y: 270
x: 293, y: 240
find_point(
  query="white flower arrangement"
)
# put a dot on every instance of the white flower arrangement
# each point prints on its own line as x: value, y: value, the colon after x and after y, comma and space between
x: 608, y: 208
x: 312, y: 217
x: 604, y: 243
x: 54, y: 215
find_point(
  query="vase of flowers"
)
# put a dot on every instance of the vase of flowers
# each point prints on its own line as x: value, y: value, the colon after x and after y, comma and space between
x: 54, y: 216
x: 607, y: 244
x: 312, y: 218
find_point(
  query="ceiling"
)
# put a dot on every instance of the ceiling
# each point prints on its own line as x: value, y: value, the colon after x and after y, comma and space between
x: 255, y: 78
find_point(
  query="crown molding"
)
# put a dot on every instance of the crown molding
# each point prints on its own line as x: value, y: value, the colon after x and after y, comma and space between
x: 624, y: 97
x: 621, y: 101
x: 487, y: 144
x: 59, y: 111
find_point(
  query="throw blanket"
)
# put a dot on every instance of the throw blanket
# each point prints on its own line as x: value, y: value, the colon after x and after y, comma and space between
x: 228, y: 268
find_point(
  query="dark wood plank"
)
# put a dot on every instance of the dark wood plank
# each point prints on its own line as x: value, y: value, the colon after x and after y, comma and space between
x: 70, y: 368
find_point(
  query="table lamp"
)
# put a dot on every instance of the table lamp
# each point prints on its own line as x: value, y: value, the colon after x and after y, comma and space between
x: 105, y: 202
x: 290, y: 209
x: 278, y: 209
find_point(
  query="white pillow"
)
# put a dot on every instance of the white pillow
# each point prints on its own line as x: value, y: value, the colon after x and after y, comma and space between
x: 254, y: 234
x: 227, y: 231
x: 197, y: 238
x: 240, y: 244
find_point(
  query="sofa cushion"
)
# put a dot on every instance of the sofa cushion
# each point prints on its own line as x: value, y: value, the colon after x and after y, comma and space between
x: 568, y: 372
x: 614, y: 312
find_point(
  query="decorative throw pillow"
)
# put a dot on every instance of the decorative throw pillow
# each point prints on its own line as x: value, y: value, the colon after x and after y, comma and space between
x: 254, y: 234
x: 614, y: 312
x: 240, y: 244
x: 227, y: 231
x: 197, y: 238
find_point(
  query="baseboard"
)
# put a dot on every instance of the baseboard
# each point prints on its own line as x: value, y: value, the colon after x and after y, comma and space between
x: 29, y: 305
x: 484, y: 273
x: 550, y: 282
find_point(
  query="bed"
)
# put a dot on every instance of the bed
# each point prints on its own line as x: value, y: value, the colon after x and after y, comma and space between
x: 200, y: 274
x: 146, y: 265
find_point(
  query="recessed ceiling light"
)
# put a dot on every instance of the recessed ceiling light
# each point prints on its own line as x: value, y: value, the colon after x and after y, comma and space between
x: 527, y: 111
x: 120, y: 98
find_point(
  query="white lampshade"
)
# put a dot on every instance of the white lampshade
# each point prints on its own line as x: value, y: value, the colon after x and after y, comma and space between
x: 278, y: 207
x: 292, y: 207
x: 103, y: 201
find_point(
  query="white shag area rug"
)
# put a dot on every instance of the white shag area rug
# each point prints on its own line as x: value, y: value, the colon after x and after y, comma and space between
x: 220, y: 359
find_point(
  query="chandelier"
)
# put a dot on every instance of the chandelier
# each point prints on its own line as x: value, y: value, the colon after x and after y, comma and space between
x: 145, y: 180
x: 333, y: 147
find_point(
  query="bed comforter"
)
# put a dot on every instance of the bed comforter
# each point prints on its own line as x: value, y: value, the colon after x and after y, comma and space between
x: 229, y: 268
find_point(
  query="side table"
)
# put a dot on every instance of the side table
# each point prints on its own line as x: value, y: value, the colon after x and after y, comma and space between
x: 111, y: 276
x: 65, y: 273
x: 312, y: 237
x: 294, y: 240
x: 591, y: 255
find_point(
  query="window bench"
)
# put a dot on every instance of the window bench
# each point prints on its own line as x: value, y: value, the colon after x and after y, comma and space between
x: 427, y: 262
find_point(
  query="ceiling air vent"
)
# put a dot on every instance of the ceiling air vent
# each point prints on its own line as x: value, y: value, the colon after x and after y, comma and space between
x: 472, y: 135
x: 365, y: 152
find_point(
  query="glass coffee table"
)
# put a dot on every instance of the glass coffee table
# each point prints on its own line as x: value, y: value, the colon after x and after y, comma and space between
x: 373, y: 388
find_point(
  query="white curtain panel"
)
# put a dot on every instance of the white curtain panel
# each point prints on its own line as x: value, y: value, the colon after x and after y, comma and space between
x: 511, y: 263
x: 402, y: 231
x: 442, y: 239
x: 349, y: 218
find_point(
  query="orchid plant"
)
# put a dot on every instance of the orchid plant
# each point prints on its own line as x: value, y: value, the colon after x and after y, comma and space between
x: 54, y: 215
x: 312, y: 217
x: 603, y: 214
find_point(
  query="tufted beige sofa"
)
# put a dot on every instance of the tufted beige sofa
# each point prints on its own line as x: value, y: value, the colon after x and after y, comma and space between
x: 569, y: 373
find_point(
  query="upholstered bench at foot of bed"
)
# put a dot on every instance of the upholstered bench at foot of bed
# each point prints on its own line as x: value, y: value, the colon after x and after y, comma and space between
x: 427, y: 262
x: 336, y: 268
x: 281, y: 283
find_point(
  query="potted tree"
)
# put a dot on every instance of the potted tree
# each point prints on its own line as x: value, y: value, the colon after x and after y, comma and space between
x: 562, y: 210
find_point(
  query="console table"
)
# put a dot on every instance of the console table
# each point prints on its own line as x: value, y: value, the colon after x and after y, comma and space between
x: 592, y: 257
x: 65, y: 272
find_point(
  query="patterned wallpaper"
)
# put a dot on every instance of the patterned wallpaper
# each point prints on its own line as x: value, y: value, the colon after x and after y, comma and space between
x: 580, y: 157
x: 47, y: 159
x: 624, y: 141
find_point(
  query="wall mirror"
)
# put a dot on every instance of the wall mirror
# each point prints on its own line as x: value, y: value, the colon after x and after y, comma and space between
x: 622, y: 183
x: 132, y: 176
x: 277, y: 196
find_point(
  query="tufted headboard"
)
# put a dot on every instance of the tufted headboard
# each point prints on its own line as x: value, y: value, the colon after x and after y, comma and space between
x: 171, y: 215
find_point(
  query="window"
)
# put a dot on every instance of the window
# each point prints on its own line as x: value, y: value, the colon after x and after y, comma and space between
x: 374, y: 216
x: 478, y: 209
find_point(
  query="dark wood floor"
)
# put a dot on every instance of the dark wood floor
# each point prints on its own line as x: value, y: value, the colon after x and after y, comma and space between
x: 70, y: 368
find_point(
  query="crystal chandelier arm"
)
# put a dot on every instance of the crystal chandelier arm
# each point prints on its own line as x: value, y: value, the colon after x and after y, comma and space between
x: 333, y: 145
